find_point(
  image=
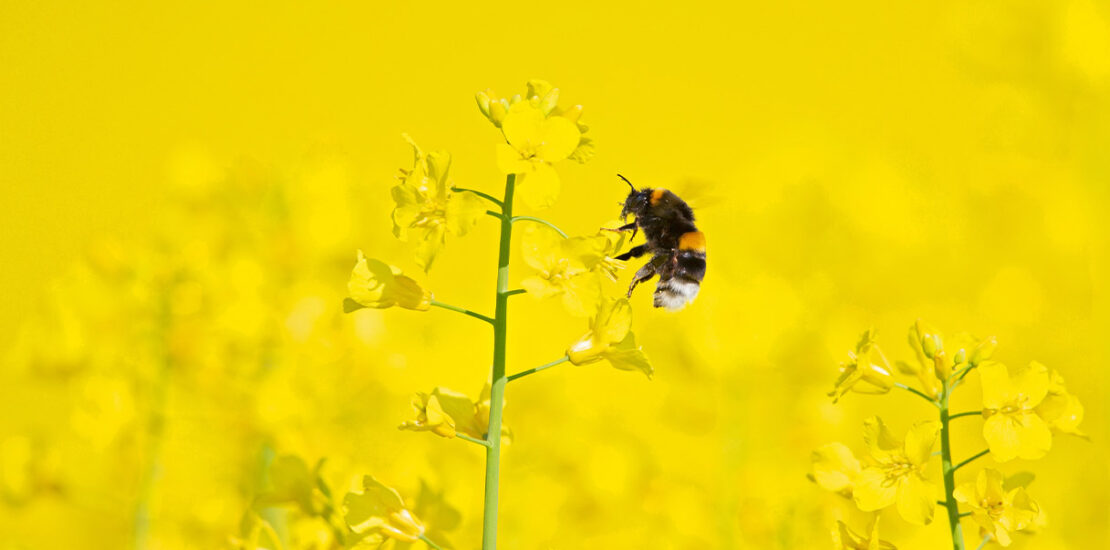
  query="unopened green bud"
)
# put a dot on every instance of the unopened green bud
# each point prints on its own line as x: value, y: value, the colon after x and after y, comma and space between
x: 549, y: 101
x: 572, y: 114
x: 960, y: 357
x: 984, y: 351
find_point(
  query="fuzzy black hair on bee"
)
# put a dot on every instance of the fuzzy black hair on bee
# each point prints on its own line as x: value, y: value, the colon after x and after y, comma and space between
x: 676, y: 246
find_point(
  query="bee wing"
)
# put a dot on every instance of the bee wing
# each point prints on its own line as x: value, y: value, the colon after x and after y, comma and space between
x: 699, y: 193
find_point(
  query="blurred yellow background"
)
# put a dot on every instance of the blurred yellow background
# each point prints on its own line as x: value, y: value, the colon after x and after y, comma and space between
x: 184, y: 189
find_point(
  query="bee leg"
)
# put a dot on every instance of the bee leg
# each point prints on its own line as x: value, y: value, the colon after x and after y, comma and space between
x: 625, y: 227
x: 645, y: 273
x: 634, y: 252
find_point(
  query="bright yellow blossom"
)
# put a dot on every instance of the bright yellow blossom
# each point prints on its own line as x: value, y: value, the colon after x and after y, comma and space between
x: 1061, y: 410
x: 569, y: 268
x: 998, y: 512
x: 897, y: 471
x: 610, y: 338
x: 835, y: 468
x: 445, y: 413
x: 379, y: 512
x: 1013, y: 429
x: 866, y: 371
x: 846, y: 539
x: 427, y: 210
x: 534, y: 143
x: 376, y: 284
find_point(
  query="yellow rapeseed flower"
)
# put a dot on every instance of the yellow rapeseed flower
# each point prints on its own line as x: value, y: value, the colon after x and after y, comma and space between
x: 1061, y: 410
x: 376, y: 284
x: 570, y: 268
x: 846, y: 539
x: 897, y: 472
x: 998, y: 512
x: 835, y: 468
x: 1013, y: 429
x: 867, y: 370
x: 610, y: 338
x: 445, y: 413
x: 427, y: 210
x: 534, y: 143
x: 379, y: 512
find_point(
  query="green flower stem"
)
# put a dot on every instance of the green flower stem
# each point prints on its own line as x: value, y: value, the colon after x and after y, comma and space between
x: 494, y: 214
x: 968, y: 413
x: 515, y: 291
x: 968, y: 461
x: 537, y: 220
x: 464, y: 311
x: 949, y: 475
x: 916, y: 392
x: 497, y: 376
x: 481, y: 442
x: 430, y: 543
x: 534, y: 370
x: 983, y: 543
x: 490, y: 198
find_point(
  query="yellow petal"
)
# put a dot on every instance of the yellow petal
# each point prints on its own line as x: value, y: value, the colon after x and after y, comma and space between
x: 628, y: 355
x: 558, y: 139
x: 834, y: 467
x: 463, y: 212
x: 872, y: 492
x: 523, y: 126
x: 540, y: 287
x: 541, y: 247
x: 920, y: 440
x: 1034, y: 437
x: 378, y: 285
x: 586, y: 349
x: 583, y: 294
x: 1032, y: 383
x: 379, y: 509
x: 429, y: 241
x: 614, y: 320
x: 540, y: 187
x: 879, y: 440
x: 996, y: 384
x: 509, y: 160
x: 1002, y: 437
x: 916, y: 499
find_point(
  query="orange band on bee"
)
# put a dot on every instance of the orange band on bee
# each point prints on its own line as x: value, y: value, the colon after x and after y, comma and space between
x: 694, y: 240
x: 656, y: 195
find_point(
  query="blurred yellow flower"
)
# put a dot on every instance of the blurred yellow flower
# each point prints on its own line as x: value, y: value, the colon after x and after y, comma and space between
x: 1061, y: 410
x: 1012, y: 428
x: 998, y: 512
x: 867, y: 370
x: 427, y: 211
x: 376, y: 284
x: 535, y: 142
x: 835, y: 468
x: 445, y: 413
x: 610, y: 338
x: 379, y: 512
x: 846, y: 539
x: 569, y: 268
x: 931, y: 344
x: 897, y: 472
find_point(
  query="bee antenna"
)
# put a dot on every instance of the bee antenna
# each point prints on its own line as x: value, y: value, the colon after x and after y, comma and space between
x: 628, y: 182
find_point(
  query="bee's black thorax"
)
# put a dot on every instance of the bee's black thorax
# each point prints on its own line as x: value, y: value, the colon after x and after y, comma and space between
x: 661, y: 215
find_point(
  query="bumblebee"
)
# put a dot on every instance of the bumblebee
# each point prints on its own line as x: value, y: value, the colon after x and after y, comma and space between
x: 676, y: 246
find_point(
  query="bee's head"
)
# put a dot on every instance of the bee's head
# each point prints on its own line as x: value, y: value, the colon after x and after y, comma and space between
x: 637, y: 201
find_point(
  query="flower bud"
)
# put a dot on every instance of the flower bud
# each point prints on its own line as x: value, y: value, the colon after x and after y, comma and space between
x: 960, y: 357
x: 984, y: 351
x: 483, y: 102
x: 572, y: 113
x: 497, y: 111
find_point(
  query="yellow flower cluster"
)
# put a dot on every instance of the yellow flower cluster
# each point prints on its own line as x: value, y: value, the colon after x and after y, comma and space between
x: 1021, y: 410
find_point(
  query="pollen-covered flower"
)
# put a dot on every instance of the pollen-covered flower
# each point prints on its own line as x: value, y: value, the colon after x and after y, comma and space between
x: 866, y: 371
x: 835, y: 468
x: 569, y: 268
x: 378, y: 512
x: 846, y: 539
x: 376, y: 284
x: 610, y: 338
x: 897, y: 471
x: 427, y: 210
x: 1013, y: 429
x: 1061, y: 410
x: 998, y: 512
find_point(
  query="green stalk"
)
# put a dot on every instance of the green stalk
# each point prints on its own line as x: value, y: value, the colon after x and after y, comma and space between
x: 949, y: 475
x: 497, y: 377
